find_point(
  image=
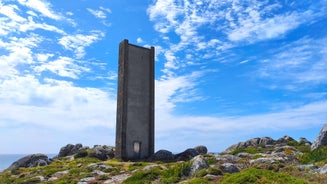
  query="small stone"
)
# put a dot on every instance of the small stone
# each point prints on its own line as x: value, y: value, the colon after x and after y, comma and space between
x: 97, y: 172
x: 150, y: 167
x: 59, y: 173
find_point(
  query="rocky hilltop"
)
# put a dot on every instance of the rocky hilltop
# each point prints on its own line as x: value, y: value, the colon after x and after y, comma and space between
x: 258, y: 160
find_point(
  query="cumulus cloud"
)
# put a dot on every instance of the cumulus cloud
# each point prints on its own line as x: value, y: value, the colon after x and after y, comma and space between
x: 78, y: 42
x: 9, y: 11
x: 42, y: 7
x: 63, y: 66
x: 55, y: 104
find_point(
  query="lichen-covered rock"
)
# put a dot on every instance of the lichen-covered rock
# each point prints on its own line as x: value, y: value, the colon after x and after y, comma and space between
x: 227, y: 158
x: 229, y: 167
x: 198, y: 163
x: 304, y: 141
x: 266, y: 160
x: 285, y: 149
x: 201, y: 149
x: 266, y: 141
x: 102, y: 152
x: 32, y: 160
x: 255, y: 142
x: 321, y: 140
x: 244, y: 155
x: 285, y: 139
x: 162, y: 155
x: 186, y: 155
x: 69, y: 149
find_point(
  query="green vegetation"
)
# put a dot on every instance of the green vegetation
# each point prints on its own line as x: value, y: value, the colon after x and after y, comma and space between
x: 143, y: 177
x: 251, y: 150
x: 259, y: 176
x: 75, y: 168
x: 316, y: 155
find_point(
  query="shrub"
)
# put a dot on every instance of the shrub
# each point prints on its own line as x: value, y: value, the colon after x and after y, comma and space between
x: 258, y: 176
x: 293, y: 143
x: 316, y: 155
x: 214, y: 171
x: 81, y: 154
x: 175, y: 173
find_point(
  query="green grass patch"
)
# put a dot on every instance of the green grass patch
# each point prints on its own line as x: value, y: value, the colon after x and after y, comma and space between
x: 143, y: 177
x: 198, y: 181
x: 259, y: 176
x: 175, y: 173
x: 251, y: 150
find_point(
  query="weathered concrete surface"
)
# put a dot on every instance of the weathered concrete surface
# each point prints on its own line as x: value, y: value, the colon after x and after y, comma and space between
x: 135, y: 102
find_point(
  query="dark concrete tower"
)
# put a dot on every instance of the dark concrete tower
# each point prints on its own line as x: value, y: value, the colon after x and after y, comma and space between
x: 135, y: 102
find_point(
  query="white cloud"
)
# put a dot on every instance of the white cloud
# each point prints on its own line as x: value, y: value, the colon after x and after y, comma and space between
x: 139, y: 40
x: 97, y: 13
x: 31, y: 25
x: 43, y: 57
x: 256, y: 28
x: 42, y: 7
x: 63, y: 66
x: 171, y: 90
x: 78, y: 42
x: 9, y: 11
x: 234, y: 23
x: 54, y: 104
x: 299, y: 62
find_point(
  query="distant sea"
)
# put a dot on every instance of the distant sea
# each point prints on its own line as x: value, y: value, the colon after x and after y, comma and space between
x: 7, y: 159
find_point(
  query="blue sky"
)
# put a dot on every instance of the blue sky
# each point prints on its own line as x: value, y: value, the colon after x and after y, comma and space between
x: 226, y: 70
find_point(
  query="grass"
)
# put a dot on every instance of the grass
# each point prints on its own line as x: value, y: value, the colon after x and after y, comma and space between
x: 259, y: 176
x: 143, y: 177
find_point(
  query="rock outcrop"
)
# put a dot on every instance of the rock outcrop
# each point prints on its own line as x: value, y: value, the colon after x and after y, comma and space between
x: 162, y: 155
x: 304, y: 141
x: 266, y: 142
x: 201, y: 149
x: 32, y: 160
x: 321, y: 140
x: 102, y: 152
x: 69, y: 149
x: 186, y: 155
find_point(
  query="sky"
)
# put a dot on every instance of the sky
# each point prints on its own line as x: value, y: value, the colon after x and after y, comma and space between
x: 226, y: 70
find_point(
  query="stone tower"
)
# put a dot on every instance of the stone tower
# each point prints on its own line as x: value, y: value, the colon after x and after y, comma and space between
x: 135, y: 102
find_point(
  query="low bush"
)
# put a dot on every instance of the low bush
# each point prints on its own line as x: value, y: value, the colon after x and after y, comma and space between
x: 316, y: 155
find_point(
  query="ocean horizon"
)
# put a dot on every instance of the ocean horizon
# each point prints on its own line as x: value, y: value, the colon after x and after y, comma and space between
x: 7, y: 159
